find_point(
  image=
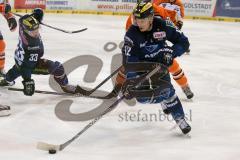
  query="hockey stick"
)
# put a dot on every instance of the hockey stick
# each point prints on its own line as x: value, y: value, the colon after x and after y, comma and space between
x: 59, y: 93
x: 46, y: 147
x: 87, y: 93
x: 84, y: 93
x: 62, y: 30
x: 59, y: 29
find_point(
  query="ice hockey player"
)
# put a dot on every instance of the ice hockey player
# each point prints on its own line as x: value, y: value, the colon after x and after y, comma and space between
x: 28, y: 57
x: 175, y: 69
x: 174, y: 5
x: 5, y: 10
x: 146, y: 42
x: 158, y: 11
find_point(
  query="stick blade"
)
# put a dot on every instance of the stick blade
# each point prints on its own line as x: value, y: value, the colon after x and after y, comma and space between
x: 46, y: 147
x: 81, y: 30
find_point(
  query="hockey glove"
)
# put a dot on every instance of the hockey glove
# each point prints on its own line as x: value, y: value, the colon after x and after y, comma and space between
x: 7, y: 8
x: 38, y: 14
x: 179, y: 24
x: 29, y: 87
x: 167, y: 58
x: 12, y: 23
x: 126, y: 89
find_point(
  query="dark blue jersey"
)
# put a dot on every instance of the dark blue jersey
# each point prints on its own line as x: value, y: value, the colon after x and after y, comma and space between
x: 29, y: 49
x: 147, y: 46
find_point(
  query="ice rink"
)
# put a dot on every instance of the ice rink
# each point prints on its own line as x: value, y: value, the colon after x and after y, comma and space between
x: 213, y: 69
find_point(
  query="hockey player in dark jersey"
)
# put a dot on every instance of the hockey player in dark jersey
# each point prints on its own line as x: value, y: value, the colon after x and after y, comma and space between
x: 145, y: 43
x: 28, y: 57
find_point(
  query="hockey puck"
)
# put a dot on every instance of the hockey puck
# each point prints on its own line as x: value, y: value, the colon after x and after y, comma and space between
x: 52, y: 151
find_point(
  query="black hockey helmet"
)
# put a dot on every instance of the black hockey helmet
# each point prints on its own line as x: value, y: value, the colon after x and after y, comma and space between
x: 29, y: 23
x: 38, y: 14
x: 143, y: 10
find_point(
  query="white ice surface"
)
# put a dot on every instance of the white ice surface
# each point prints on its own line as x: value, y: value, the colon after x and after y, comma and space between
x: 213, y: 70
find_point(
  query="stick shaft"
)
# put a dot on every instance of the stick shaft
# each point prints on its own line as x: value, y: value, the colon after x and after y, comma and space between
x: 110, y: 108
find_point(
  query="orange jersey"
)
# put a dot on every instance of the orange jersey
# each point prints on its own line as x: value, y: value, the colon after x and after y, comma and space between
x: 176, y: 6
x: 158, y: 11
x: 2, y: 8
x: 2, y: 5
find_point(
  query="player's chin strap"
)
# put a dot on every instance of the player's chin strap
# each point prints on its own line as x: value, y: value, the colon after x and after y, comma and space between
x: 59, y: 29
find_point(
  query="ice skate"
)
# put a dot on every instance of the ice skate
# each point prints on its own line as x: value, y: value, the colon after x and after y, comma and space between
x: 187, y: 91
x: 4, y: 110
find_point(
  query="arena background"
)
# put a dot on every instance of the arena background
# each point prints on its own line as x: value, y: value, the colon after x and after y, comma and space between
x: 221, y: 10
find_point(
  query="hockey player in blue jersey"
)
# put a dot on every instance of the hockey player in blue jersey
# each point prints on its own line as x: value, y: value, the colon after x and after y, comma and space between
x: 28, y: 57
x: 146, y: 42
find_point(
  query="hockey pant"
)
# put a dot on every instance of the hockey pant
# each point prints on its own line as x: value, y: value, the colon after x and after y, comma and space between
x: 167, y: 98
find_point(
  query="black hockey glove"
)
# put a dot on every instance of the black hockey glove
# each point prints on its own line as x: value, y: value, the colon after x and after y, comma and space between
x: 126, y: 89
x: 128, y: 96
x: 29, y: 87
x: 167, y: 58
x: 179, y: 25
x: 38, y: 14
x: 12, y: 23
x: 7, y: 8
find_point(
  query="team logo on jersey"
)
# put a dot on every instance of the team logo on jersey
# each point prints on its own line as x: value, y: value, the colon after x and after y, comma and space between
x: 159, y: 35
x: 151, y: 48
x: 143, y: 44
